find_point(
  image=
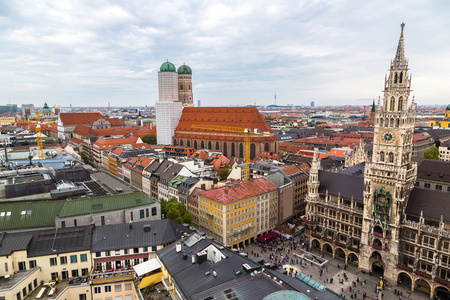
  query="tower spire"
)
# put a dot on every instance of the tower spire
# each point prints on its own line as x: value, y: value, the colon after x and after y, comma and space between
x: 400, y: 55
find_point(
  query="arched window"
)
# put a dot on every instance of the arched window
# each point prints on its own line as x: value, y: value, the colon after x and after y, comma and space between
x: 202, y: 145
x: 241, y: 150
x: 266, y: 147
x: 392, y: 103
x: 233, y: 150
x: 252, y: 151
x: 400, y: 104
x: 181, y: 86
x: 225, y: 149
x: 195, y: 145
x: 188, y: 143
x: 209, y: 146
x: 386, y: 122
x: 395, y: 78
x: 392, y: 122
x: 217, y: 146
x: 401, y: 77
x: 189, y: 87
x: 181, y: 143
x: 391, y: 157
x: 381, y: 156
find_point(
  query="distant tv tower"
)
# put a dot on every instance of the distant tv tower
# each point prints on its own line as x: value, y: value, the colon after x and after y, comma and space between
x: 275, y: 97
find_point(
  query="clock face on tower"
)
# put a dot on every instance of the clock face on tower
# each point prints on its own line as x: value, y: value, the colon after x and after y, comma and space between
x: 388, y: 137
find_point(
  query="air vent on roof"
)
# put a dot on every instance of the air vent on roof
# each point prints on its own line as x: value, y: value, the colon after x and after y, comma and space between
x: 119, y: 190
x: 247, y: 267
x: 147, y: 228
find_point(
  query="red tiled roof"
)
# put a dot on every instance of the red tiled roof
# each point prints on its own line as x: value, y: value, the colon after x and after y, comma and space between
x: 243, y: 117
x: 291, y: 170
x: 108, y: 144
x: 117, y: 150
x: 139, y: 131
x: 337, y: 152
x: 76, y: 141
x: 79, y: 118
x: 268, y: 155
x: 243, y: 190
x: 114, y: 121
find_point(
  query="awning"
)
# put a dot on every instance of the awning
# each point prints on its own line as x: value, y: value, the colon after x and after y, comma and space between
x: 267, y: 236
x: 147, y: 267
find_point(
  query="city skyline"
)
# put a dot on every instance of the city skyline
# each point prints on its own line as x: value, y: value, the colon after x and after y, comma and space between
x: 332, y: 53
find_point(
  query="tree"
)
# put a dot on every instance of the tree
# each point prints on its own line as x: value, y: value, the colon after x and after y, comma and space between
x: 176, y: 211
x: 149, y: 139
x: 431, y: 153
x: 223, y: 174
x: 84, y: 157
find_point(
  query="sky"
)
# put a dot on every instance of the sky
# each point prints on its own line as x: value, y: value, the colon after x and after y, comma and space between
x: 89, y: 53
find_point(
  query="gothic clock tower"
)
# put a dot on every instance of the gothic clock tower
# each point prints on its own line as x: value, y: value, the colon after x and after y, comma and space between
x: 390, y: 176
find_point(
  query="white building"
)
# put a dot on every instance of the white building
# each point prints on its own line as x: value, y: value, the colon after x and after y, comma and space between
x: 168, y: 108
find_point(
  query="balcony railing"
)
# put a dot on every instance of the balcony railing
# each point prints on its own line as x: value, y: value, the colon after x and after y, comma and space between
x: 99, y: 276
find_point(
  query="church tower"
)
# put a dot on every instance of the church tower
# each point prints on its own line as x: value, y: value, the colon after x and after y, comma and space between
x: 390, y: 176
x: 185, y: 94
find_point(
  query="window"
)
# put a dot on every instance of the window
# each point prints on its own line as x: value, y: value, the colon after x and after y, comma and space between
x: 107, y: 289
x: 103, y: 220
x: 22, y: 266
x: 98, y: 254
x: 147, y: 212
x: 141, y: 213
x: 83, y: 257
x: 131, y: 216
x: 427, y: 185
x: 145, y: 249
x: 63, y: 260
x: 63, y: 224
x: 117, y: 252
x: 428, y: 241
x: 32, y: 264
x: 153, y: 248
x: 154, y: 211
x: 136, y: 250
x: 118, y: 287
x: 125, y: 251
x: 84, y: 272
x: 35, y: 283
x: 75, y: 273
x: 73, y: 259
x: 97, y: 290
x: 82, y: 297
x: 438, y: 187
x: 128, y: 286
x: 53, y: 261
x: 54, y: 275
x: 107, y: 253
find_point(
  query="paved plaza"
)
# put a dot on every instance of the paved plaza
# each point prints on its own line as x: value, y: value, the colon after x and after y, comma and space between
x: 332, y: 271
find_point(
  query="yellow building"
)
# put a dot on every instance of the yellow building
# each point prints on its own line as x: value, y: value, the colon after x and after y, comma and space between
x: 443, y: 123
x: 236, y: 213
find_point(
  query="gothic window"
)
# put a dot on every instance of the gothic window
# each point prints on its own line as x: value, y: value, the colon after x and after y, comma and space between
x: 395, y: 78
x: 209, y: 146
x: 188, y: 143
x: 225, y: 150
x: 233, y: 150
x: 391, y: 157
x: 181, y: 143
x: 386, y: 123
x: 241, y: 150
x: 392, y: 104
x: 401, y: 77
x: 189, y: 87
x: 266, y: 147
x: 203, y: 145
x: 195, y: 144
x: 400, y: 104
x: 252, y: 151
x: 217, y: 146
x: 181, y: 86
x: 381, y: 156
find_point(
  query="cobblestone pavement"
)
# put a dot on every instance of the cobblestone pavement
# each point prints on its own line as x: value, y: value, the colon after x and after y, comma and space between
x: 352, y: 272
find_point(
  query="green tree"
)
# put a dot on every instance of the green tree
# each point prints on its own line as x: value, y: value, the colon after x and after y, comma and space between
x: 431, y: 153
x: 149, y: 139
x: 84, y: 157
x: 223, y: 174
x: 175, y: 210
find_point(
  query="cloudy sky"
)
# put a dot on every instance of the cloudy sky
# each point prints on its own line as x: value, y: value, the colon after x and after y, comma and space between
x: 90, y: 52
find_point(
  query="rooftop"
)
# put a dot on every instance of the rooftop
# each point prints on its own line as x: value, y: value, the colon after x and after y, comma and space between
x: 243, y: 190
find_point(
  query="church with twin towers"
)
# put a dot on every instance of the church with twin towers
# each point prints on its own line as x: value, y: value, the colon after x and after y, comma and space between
x: 175, y: 92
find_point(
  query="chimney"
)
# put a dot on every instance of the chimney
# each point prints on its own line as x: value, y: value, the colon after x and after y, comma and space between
x: 178, y: 247
x: 131, y: 225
